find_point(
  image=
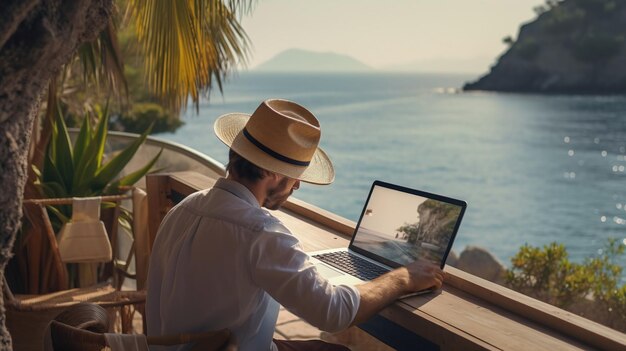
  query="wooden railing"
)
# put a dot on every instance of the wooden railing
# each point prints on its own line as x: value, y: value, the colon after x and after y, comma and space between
x: 470, y: 313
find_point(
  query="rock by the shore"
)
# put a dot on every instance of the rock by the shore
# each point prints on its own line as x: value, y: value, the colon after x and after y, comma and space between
x: 453, y: 259
x: 480, y: 262
x: 576, y: 46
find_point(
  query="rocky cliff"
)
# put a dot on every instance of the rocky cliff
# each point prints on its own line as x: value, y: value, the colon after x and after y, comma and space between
x: 574, y: 46
x: 436, y: 223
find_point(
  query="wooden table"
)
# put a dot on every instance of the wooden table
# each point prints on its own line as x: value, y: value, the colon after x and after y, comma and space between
x: 469, y: 313
x: 454, y: 318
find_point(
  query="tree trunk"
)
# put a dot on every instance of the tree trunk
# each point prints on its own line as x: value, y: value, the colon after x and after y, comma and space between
x: 37, y: 37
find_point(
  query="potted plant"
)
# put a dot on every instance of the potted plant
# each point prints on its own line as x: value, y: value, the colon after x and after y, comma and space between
x: 79, y: 169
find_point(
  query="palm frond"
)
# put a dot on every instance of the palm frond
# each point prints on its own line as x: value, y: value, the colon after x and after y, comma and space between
x: 188, y: 45
x: 111, y: 57
x: 101, y: 61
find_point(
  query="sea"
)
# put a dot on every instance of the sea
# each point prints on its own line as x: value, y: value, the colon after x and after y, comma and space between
x: 534, y: 169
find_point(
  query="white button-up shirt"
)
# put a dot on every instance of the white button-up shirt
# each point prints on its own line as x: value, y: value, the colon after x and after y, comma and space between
x: 221, y: 261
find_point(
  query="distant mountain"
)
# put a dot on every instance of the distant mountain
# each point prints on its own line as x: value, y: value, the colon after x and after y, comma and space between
x: 297, y: 60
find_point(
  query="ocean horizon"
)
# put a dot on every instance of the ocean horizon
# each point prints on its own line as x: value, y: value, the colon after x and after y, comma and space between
x: 534, y: 169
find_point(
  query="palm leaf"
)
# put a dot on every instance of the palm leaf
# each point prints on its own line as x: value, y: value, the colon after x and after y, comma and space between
x: 87, y: 55
x: 111, y: 58
x: 101, y: 61
x: 177, y: 39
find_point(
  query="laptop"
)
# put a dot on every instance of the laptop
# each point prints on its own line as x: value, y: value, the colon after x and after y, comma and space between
x: 398, y: 225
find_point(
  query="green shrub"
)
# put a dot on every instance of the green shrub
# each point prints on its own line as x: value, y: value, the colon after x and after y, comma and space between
x: 606, y: 275
x: 548, y: 275
x: 144, y: 115
x: 597, y: 47
x: 527, y: 48
x: 508, y: 40
x: 595, y: 7
x: 563, y: 19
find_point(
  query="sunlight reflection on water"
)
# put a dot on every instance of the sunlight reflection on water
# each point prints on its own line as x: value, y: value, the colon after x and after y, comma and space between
x: 533, y: 169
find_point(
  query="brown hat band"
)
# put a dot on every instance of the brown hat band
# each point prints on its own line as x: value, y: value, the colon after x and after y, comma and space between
x: 273, y: 153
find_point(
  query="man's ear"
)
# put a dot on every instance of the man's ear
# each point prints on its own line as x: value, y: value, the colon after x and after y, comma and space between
x: 277, y: 177
x: 271, y: 175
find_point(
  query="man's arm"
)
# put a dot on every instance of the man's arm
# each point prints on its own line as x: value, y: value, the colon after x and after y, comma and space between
x: 382, y: 291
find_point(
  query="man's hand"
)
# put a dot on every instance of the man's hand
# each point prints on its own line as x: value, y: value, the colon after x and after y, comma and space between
x: 378, y: 293
x: 423, y: 275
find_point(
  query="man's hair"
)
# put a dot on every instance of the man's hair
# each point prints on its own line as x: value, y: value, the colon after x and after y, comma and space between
x: 244, y: 168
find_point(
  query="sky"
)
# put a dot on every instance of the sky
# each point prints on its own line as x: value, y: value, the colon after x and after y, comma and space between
x: 388, y: 33
x: 390, y: 210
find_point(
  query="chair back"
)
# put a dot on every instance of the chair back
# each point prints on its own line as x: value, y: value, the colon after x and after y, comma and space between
x: 68, y: 338
x: 82, y: 327
x: 52, y: 271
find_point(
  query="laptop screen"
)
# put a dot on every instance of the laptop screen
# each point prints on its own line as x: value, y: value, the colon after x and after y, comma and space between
x: 399, y: 225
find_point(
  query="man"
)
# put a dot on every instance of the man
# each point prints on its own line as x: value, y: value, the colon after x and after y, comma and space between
x: 221, y: 261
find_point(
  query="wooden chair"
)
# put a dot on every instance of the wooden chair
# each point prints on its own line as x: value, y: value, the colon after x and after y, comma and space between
x: 28, y: 315
x: 82, y: 328
x: 54, y: 258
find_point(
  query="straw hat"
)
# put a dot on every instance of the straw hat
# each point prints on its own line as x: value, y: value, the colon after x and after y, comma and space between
x: 280, y: 136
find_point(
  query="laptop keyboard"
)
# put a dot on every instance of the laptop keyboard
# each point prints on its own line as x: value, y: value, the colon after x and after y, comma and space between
x: 352, y: 264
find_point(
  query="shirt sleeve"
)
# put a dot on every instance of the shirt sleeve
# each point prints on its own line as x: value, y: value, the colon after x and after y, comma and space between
x: 280, y: 267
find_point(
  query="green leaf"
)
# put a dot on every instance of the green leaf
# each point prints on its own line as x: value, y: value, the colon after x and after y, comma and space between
x: 51, y: 173
x: 111, y: 59
x: 187, y: 43
x: 101, y: 135
x: 51, y: 149
x: 133, y: 177
x: 126, y: 221
x: 53, y: 190
x: 37, y: 172
x: 109, y: 171
x: 62, y: 217
x: 64, y: 159
x: 82, y: 140
x: 92, y: 158
x: 88, y: 54
x: 86, y: 163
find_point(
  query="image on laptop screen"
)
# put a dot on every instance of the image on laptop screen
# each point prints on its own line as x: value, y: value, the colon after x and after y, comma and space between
x: 402, y: 227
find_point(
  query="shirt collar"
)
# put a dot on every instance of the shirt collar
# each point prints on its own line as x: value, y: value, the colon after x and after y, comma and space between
x: 238, y: 190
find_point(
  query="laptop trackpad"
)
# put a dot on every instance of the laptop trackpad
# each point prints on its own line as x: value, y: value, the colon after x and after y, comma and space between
x: 327, y: 271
